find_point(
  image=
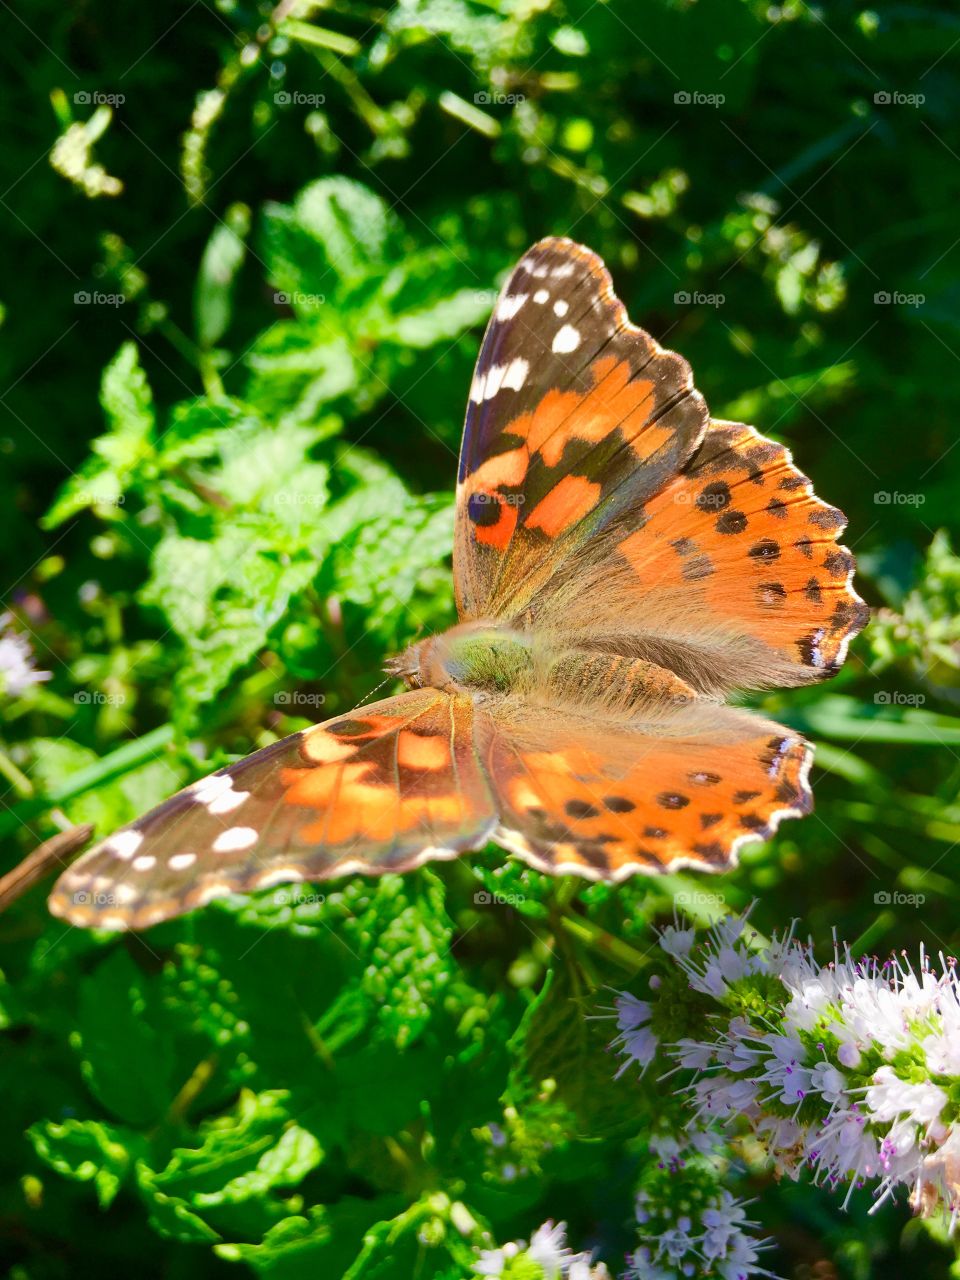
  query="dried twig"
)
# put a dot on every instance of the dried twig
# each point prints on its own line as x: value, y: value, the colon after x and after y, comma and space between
x: 53, y: 855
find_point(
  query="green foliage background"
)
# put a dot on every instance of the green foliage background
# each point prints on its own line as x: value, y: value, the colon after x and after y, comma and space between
x: 289, y: 233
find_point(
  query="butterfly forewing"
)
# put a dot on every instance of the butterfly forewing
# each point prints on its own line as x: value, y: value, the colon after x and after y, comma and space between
x: 384, y: 789
x: 575, y: 417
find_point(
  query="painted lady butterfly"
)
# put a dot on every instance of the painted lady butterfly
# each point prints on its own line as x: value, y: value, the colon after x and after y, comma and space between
x: 621, y: 563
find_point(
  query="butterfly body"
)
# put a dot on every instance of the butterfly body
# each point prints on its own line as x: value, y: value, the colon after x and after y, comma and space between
x: 622, y: 564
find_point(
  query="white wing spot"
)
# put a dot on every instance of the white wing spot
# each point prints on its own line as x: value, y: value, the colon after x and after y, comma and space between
x: 567, y: 339
x: 234, y: 839
x: 208, y: 789
x: 180, y: 861
x: 227, y: 802
x: 124, y: 844
x: 516, y: 374
x: 512, y: 376
x: 561, y: 308
x: 280, y: 875
x: 144, y: 863
x: 125, y: 893
x: 508, y: 307
x: 541, y: 296
x: 565, y: 269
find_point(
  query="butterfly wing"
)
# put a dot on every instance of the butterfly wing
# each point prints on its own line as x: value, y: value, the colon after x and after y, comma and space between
x: 733, y: 578
x: 575, y: 418
x: 386, y: 788
x: 685, y: 786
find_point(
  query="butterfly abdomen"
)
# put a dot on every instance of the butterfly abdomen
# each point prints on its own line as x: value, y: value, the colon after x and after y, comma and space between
x: 621, y: 684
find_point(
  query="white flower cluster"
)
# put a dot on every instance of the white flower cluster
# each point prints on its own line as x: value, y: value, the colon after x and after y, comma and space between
x: 17, y: 671
x: 851, y: 1069
x: 546, y: 1251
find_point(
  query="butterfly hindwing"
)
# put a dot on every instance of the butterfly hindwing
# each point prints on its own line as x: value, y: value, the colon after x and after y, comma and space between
x: 575, y: 417
x: 733, y: 579
x: 685, y: 787
x: 391, y: 786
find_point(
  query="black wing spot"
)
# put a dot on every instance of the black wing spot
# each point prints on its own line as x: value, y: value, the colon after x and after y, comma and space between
x: 765, y: 550
x: 714, y: 496
x: 731, y: 522
x: 704, y: 779
x: 672, y: 800
x: 618, y: 804
x: 581, y: 809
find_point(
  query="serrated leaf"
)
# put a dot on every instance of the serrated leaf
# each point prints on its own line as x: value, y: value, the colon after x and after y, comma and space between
x: 380, y: 567
x: 243, y: 1155
x: 102, y: 480
x: 322, y: 1243
x: 88, y: 1151
x: 223, y: 597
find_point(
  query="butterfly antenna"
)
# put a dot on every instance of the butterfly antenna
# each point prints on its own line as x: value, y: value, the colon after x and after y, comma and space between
x: 367, y: 696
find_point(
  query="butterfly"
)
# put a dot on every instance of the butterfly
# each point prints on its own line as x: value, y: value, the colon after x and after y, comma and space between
x: 621, y: 563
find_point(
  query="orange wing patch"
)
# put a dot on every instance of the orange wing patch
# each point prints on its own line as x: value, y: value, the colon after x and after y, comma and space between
x: 686, y: 791
x: 740, y: 539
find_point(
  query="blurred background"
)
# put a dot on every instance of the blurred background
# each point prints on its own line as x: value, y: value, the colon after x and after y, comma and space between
x: 250, y: 253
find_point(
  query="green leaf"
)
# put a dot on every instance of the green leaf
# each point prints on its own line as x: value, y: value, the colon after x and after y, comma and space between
x: 224, y: 596
x: 381, y: 566
x: 88, y: 1151
x: 102, y: 480
x: 125, y: 1061
x: 243, y: 1154
x: 219, y: 267
x: 352, y: 232
x: 322, y: 1243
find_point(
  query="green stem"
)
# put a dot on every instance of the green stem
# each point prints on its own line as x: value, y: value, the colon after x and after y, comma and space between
x: 599, y: 940
x: 130, y: 756
x: 18, y: 780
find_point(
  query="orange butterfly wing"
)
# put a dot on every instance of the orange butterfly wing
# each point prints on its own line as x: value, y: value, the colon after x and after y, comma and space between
x: 682, y: 786
x: 575, y: 418
x: 387, y: 788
